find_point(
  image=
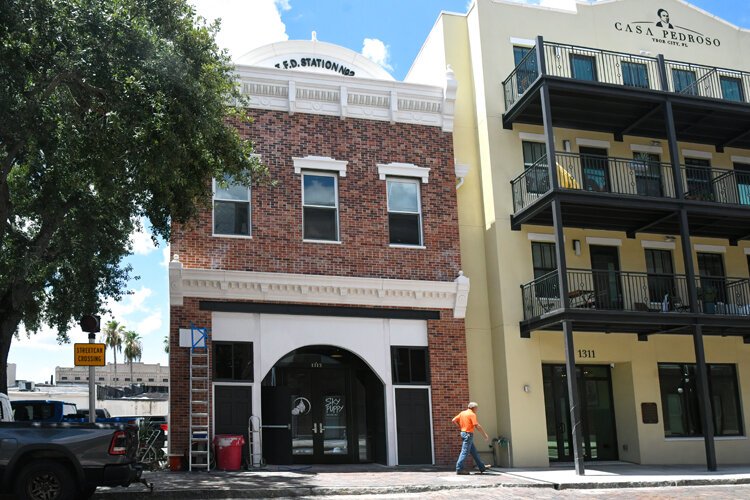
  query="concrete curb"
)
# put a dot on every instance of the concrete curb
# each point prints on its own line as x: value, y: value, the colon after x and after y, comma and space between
x: 137, y: 492
x: 649, y: 484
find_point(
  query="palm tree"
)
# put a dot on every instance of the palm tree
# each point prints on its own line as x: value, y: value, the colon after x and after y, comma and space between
x: 112, y: 337
x: 133, y: 349
x: 166, y: 344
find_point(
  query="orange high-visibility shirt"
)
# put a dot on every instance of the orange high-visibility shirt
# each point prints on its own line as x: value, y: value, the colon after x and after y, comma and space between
x: 467, y: 419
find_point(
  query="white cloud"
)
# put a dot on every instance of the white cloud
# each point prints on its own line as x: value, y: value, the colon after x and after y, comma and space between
x: 377, y: 51
x: 134, y: 302
x: 141, y: 242
x: 165, y: 256
x: 150, y: 324
x: 245, y: 24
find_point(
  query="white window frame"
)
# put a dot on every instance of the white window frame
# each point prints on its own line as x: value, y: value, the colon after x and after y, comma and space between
x: 214, y: 199
x: 319, y: 173
x: 418, y: 213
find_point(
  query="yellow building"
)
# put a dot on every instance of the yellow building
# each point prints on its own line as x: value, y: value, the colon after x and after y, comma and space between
x: 642, y: 108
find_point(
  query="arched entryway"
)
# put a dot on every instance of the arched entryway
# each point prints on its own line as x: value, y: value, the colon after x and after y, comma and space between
x: 323, y: 404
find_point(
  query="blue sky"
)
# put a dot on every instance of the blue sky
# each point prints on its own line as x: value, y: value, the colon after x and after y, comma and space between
x: 390, y: 32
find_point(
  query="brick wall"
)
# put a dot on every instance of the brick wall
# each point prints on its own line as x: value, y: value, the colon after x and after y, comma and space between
x: 448, y: 374
x: 276, y: 245
x: 449, y: 380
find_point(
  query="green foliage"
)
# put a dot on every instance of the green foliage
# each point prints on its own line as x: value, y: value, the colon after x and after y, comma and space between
x: 110, y: 111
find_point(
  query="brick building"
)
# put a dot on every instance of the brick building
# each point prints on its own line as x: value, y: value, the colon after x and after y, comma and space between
x: 334, y: 301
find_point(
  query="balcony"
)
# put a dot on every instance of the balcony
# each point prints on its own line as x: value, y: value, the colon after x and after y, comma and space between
x: 634, y: 196
x: 635, y: 302
x: 621, y: 93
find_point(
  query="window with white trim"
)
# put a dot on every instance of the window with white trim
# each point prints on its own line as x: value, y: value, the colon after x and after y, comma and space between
x: 404, y: 212
x: 320, y: 206
x: 231, y: 208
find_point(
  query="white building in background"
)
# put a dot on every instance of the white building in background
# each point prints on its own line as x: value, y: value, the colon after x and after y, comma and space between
x: 11, y: 374
x: 152, y: 374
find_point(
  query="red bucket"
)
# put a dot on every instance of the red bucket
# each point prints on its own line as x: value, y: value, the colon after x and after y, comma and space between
x: 229, y: 451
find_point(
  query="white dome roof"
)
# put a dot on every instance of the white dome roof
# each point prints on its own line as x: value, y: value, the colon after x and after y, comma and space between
x: 315, y: 57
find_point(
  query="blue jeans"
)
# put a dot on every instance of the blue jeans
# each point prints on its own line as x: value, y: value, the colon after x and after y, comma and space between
x: 466, y: 448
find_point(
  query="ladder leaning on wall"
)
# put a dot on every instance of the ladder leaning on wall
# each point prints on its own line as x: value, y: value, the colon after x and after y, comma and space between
x: 200, y: 449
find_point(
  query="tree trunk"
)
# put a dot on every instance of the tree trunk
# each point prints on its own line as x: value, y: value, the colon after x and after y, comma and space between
x: 8, y: 326
x: 131, y: 373
x: 114, y: 352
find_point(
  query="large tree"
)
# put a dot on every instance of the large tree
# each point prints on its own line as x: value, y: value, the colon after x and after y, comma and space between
x: 133, y: 350
x: 112, y: 336
x: 111, y: 112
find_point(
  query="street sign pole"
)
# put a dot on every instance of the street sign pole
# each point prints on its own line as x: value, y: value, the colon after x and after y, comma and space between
x: 92, y: 385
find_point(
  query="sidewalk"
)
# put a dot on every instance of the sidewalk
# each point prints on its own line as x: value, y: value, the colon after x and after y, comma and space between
x: 296, y: 481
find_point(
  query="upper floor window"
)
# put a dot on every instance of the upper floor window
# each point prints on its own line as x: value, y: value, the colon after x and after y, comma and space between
x: 731, y: 88
x: 684, y: 81
x: 404, y: 212
x: 526, y: 73
x: 231, y: 208
x: 320, y: 202
x: 583, y: 67
x: 537, y: 181
x: 635, y: 74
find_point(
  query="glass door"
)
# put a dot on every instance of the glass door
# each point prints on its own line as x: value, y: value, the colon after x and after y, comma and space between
x: 595, y: 168
x: 742, y: 174
x: 605, y: 268
x: 320, y: 415
x: 597, y: 413
x: 713, y: 282
x: 647, y: 167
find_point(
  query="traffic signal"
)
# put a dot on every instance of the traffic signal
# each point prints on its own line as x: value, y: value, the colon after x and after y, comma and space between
x: 90, y: 323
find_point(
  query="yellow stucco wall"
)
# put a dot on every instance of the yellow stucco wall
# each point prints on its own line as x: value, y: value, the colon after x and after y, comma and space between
x: 478, y: 46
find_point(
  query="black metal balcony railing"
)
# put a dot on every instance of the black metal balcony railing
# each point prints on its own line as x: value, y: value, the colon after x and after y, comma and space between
x: 524, y: 74
x: 708, y: 81
x: 629, y: 70
x: 636, y: 292
x: 623, y: 176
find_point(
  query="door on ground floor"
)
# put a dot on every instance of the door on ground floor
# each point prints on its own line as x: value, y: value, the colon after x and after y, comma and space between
x: 232, y: 410
x: 413, y: 429
x: 597, y: 413
x: 328, y: 407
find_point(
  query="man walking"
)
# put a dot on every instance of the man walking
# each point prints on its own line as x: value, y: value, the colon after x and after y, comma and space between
x: 467, y: 421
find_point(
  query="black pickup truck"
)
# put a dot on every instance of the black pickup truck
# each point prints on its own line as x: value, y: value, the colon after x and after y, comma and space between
x: 64, y: 461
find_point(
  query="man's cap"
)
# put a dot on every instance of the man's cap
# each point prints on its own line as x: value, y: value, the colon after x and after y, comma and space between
x: 472, y: 405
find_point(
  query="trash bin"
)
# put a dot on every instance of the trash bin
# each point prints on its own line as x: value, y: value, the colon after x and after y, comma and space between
x: 229, y: 451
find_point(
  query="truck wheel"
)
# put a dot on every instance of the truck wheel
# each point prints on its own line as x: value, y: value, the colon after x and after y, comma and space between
x: 45, y: 480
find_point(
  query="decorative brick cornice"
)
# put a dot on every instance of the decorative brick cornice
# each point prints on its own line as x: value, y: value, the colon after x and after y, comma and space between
x: 305, y: 288
x: 396, y: 102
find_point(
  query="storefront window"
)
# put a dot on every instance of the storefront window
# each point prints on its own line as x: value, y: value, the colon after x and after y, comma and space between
x: 410, y: 365
x: 233, y: 361
x: 680, y: 400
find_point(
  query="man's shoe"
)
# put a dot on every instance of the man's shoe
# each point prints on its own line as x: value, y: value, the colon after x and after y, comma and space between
x: 462, y: 472
x: 486, y: 468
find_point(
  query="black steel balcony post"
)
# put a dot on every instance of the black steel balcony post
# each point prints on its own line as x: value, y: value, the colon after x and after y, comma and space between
x: 562, y: 278
x: 540, y: 60
x: 674, y: 152
x: 575, y: 409
x: 704, y: 407
x: 662, y: 72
